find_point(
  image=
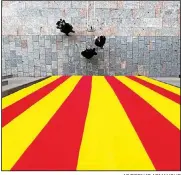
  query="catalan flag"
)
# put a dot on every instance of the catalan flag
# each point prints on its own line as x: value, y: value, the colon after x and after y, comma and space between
x: 92, y: 123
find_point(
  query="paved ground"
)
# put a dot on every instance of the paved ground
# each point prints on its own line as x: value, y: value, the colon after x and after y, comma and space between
x: 92, y: 123
x: 46, y: 55
x: 18, y: 81
x: 170, y: 80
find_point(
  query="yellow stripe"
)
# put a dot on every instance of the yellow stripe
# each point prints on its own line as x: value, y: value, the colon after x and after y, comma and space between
x: 109, y: 140
x: 20, y: 133
x: 10, y: 99
x: 161, y: 84
x: 169, y: 109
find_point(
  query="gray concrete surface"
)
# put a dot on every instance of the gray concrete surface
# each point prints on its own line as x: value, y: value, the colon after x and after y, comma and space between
x: 17, y: 83
x: 170, y: 80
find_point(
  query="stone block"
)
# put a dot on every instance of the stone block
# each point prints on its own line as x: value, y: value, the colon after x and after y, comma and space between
x: 25, y: 68
x: 164, y: 44
x: 175, y: 39
x: 5, y: 40
x: 48, y: 52
x: 129, y: 46
x: 31, y: 63
x: 37, y: 62
x: 146, y: 48
x: 141, y: 38
x: 47, y: 44
x: 135, y: 59
x: 59, y: 45
x: 54, y: 71
x: 65, y: 50
x: 48, y: 68
x: 36, y: 54
x: 65, y: 68
x: 118, y: 52
x: 35, y: 45
x: 5, y: 56
x: 112, y: 42
x: 123, y: 40
x: 141, y: 44
x: 146, y: 61
x: 20, y: 74
x: 65, y: 41
x: 42, y: 51
x: 72, y: 69
x: 101, y: 71
x: 42, y: 43
x: 71, y: 51
x: 6, y: 48
x: 171, y: 4
x: 20, y: 67
x: 152, y: 22
x: 147, y: 40
x: 8, y: 72
x: 79, y: 4
x: 19, y: 59
x: 118, y: 41
x: 47, y: 37
x: 123, y: 48
x: 13, y: 63
x: 131, y: 4
x: 141, y: 53
x: 54, y: 48
x: 158, y: 46
x: 176, y: 46
x: 53, y: 39
x: 59, y: 38
x: 48, y: 60
x: 37, y: 73
x: 129, y: 54
x: 54, y: 56
x: 152, y: 46
x: 54, y: 64
x: 106, y: 4
x: 12, y: 46
x: 30, y: 47
x: 12, y: 54
x: 143, y: 13
x: 8, y: 64
x: 135, y: 42
x: 35, y: 38
x: 123, y: 55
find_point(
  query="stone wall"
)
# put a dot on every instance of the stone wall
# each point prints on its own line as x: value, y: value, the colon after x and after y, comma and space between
x: 51, y: 55
x: 142, y: 37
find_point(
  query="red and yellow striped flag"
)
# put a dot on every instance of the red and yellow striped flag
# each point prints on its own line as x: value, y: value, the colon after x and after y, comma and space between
x: 92, y: 123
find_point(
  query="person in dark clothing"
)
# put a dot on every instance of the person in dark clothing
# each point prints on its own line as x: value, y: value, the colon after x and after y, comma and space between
x: 88, y: 53
x: 100, y: 41
x: 64, y: 27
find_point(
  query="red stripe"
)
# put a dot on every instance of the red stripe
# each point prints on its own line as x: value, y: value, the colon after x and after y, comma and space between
x: 160, y: 138
x: 164, y: 92
x: 57, y: 146
x: 14, y: 110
